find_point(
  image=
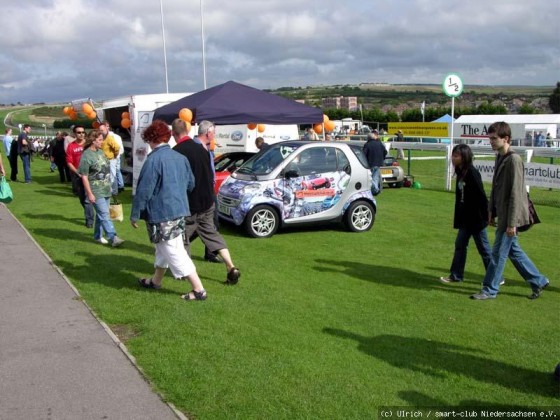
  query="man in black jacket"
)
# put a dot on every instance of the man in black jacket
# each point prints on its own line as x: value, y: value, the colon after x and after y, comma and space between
x: 201, y: 198
x: 375, y: 153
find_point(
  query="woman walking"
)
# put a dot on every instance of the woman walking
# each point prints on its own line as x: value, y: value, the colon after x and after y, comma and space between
x: 94, y: 170
x: 161, y: 200
x: 471, y: 213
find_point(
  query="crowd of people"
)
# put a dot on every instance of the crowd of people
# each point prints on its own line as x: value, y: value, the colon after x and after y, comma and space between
x: 174, y: 220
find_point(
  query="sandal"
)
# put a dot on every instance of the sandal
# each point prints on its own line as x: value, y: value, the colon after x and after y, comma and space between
x: 195, y: 295
x: 233, y: 276
x: 148, y: 284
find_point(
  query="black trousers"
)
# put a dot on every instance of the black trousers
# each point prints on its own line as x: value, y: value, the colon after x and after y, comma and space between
x: 13, y: 159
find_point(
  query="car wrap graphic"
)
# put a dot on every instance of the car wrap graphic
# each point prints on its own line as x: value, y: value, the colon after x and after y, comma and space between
x: 293, y: 197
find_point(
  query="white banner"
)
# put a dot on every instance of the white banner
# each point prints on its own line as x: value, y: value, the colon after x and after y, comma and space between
x: 536, y: 174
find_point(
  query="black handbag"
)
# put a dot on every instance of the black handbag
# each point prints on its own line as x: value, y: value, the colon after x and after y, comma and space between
x: 533, y: 217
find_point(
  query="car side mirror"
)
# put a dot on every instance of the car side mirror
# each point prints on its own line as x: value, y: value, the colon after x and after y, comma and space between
x: 292, y: 173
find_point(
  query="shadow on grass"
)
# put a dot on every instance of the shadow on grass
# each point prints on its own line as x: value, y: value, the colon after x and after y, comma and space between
x: 55, y: 216
x: 112, y: 275
x: 397, y: 277
x: 436, y: 359
x: 420, y: 400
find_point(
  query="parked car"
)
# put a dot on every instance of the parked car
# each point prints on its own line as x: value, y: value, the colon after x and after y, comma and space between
x: 227, y: 163
x: 392, y: 173
x: 300, y: 182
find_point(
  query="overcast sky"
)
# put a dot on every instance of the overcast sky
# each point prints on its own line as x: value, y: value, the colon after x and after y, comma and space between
x: 59, y: 50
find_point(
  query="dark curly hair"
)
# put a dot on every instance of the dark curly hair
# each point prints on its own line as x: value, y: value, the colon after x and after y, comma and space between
x: 157, y: 132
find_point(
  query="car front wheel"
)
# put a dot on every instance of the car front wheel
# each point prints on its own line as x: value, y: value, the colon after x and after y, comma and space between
x: 262, y: 222
x: 360, y: 216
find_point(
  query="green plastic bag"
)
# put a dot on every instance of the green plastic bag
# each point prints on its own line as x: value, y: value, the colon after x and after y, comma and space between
x: 6, y: 194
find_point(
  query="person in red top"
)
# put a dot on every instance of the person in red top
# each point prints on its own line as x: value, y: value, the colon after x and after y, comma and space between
x: 73, y: 155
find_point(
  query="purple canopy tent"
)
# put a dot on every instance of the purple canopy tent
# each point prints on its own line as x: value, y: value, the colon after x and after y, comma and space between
x: 234, y: 103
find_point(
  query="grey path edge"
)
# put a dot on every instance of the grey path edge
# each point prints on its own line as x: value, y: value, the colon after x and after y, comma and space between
x: 88, y: 378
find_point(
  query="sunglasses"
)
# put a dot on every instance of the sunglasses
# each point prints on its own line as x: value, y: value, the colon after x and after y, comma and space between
x: 80, y: 132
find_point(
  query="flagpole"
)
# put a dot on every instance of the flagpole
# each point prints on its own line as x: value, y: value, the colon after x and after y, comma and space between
x: 164, y: 53
x: 203, y: 49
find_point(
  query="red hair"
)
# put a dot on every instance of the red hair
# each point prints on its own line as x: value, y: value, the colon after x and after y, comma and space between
x: 157, y: 132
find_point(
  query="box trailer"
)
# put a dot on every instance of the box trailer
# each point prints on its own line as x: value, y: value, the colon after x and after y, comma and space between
x: 141, y: 110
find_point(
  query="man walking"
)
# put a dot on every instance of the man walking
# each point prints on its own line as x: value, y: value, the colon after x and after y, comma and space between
x: 24, y: 151
x: 201, y: 198
x: 508, y: 202
x: 73, y: 156
x: 111, y: 149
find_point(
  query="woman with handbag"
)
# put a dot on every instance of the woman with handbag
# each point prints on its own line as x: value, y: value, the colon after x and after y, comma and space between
x: 94, y: 170
x: 161, y: 200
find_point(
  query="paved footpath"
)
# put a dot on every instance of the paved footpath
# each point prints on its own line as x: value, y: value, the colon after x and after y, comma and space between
x: 57, y: 361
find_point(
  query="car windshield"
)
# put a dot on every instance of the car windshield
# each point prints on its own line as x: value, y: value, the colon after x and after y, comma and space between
x: 264, y: 163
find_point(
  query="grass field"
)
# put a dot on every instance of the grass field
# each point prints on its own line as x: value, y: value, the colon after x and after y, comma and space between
x: 324, y: 323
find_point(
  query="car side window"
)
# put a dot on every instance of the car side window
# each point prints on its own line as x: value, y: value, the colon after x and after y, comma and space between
x: 343, y: 162
x: 316, y: 160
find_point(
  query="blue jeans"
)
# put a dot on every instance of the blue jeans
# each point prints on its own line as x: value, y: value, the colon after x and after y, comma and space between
x: 26, y: 159
x: 457, y: 270
x: 120, y: 180
x: 103, y: 220
x: 113, y: 168
x: 508, y: 247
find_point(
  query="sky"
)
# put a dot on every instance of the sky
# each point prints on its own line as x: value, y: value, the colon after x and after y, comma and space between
x: 55, y: 51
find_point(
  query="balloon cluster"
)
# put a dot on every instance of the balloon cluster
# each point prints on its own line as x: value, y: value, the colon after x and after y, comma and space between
x: 186, y: 115
x: 125, y: 120
x: 260, y: 127
x: 87, y: 109
x: 327, y: 124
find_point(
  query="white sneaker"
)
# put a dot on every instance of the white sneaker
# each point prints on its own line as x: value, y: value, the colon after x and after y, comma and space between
x: 102, y: 241
x: 117, y: 241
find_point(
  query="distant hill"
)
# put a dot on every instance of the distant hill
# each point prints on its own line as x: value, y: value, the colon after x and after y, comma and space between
x: 401, y: 96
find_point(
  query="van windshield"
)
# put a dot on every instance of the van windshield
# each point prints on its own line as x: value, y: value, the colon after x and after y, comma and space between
x: 265, y: 162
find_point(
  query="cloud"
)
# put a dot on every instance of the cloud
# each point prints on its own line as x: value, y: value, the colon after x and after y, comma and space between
x: 59, y: 50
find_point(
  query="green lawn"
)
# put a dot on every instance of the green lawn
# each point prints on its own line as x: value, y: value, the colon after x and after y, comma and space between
x: 324, y: 323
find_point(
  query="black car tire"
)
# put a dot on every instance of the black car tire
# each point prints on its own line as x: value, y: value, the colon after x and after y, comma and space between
x: 360, y: 216
x: 262, y: 222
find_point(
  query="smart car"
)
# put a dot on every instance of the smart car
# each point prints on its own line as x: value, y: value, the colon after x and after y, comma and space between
x: 300, y: 182
x: 392, y: 173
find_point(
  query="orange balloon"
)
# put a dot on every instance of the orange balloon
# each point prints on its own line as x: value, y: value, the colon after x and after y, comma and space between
x: 318, y: 128
x: 261, y: 128
x: 329, y: 126
x: 125, y: 115
x: 95, y: 124
x: 188, y: 124
x: 87, y: 108
x: 251, y: 126
x: 66, y: 110
x: 212, y: 145
x: 91, y: 115
x: 185, y: 114
x: 325, y: 118
x: 73, y: 115
x: 125, y: 123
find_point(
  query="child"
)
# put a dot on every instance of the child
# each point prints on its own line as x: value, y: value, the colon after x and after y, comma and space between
x: 471, y: 213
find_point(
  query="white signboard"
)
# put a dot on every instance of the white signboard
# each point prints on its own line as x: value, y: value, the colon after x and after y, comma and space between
x: 536, y: 174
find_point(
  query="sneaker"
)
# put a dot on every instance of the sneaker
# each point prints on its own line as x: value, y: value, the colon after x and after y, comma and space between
x: 538, y: 292
x: 102, y: 241
x: 502, y: 282
x: 449, y: 280
x: 117, y: 241
x: 213, y: 258
x: 482, y: 296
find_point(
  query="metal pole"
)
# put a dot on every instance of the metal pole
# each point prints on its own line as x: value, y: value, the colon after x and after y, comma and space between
x: 164, y: 52
x: 203, y: 49
x: 450, y: 148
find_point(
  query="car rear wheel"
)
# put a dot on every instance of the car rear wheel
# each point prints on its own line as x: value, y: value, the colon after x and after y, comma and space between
x: 262, y: 222
x: 360, y: 216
